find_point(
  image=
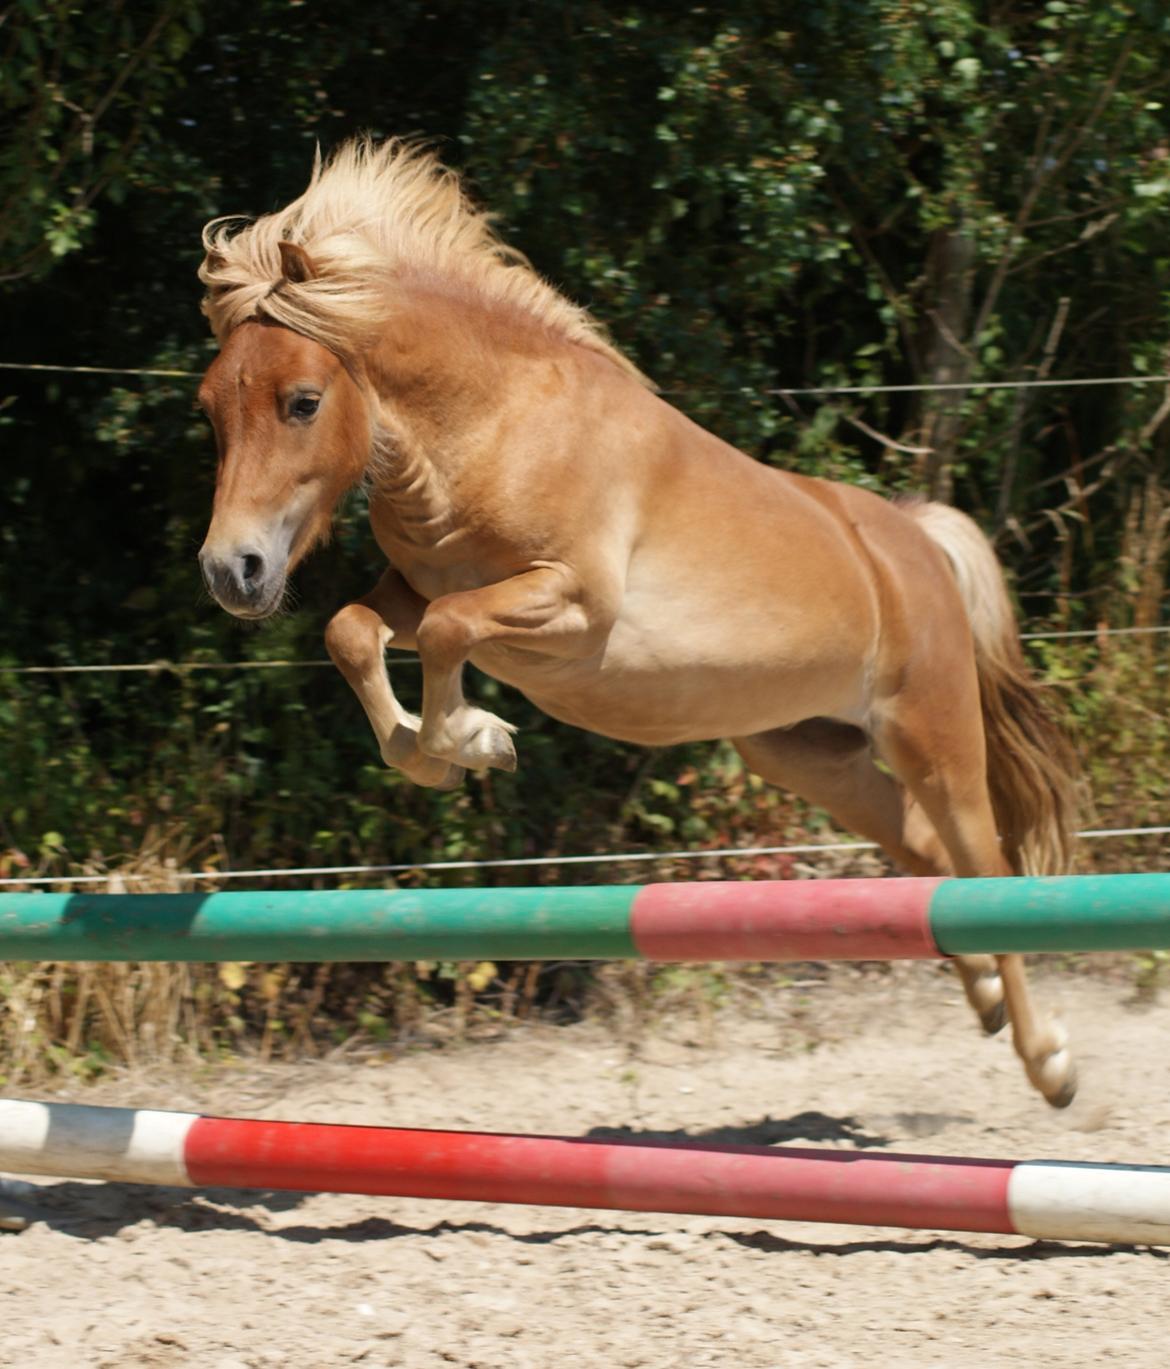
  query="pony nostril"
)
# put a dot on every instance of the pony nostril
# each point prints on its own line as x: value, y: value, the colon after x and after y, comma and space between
x: 242, y: 579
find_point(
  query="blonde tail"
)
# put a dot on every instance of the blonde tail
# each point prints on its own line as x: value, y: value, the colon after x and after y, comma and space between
x: 1032, y: 769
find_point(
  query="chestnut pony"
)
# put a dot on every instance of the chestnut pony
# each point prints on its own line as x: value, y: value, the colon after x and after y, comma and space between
x: 550, y: 519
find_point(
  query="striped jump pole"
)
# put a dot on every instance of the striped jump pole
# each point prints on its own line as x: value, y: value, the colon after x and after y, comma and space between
x: 850, y: 919
x: 1058, y: 1201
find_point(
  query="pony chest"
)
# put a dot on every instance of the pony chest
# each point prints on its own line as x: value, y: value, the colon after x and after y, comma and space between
x: 436, y: 552
x: 447, y: 554
x: 454, y: 566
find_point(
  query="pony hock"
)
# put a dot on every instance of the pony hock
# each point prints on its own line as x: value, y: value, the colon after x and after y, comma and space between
x: 547, y: 517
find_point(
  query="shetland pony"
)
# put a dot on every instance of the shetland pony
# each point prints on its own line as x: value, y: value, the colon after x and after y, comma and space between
x: 546, y: 516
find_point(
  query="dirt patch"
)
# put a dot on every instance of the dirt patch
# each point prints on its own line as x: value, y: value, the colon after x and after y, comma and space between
x: 127, y: 1276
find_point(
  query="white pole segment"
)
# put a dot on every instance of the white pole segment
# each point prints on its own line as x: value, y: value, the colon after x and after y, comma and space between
x: 1061, y: 1201
x: 128, y: 1144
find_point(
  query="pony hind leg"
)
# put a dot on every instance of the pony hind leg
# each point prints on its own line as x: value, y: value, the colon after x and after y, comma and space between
x: 830, y: 764
x: 937, y: 750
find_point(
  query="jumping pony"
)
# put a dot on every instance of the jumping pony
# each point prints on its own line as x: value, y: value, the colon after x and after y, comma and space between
x: 546, y: 516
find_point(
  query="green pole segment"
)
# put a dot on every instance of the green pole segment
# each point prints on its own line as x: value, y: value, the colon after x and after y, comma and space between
x: 1061, y: 913
x: 322, y: 925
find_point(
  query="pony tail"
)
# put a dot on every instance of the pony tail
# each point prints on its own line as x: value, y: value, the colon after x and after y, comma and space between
x: 1032, y: 770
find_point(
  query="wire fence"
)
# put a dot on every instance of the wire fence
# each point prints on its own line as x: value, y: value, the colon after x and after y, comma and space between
x: 515, y: 862
x: 169, y: 667
x: 922, y: 387
x: 1092, y: 632
x: 181, y: 667
x: 94, y: 370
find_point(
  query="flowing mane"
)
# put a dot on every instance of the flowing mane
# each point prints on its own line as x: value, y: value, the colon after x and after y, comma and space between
x: 373, y: 211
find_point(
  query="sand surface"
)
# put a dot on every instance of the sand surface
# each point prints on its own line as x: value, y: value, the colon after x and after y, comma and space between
x: 121, y: 1276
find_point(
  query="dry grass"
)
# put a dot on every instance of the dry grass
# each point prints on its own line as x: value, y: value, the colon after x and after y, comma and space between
x: 82, y: 1019
x: 79, y: 1018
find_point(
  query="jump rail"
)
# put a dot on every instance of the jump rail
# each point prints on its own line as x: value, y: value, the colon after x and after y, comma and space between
x: 1058, y: 1201
x: 852, y: 919
x: 787, y: 920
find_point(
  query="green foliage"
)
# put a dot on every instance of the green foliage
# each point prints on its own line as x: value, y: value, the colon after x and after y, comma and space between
x: 755, y: 199
x: 83, y: 88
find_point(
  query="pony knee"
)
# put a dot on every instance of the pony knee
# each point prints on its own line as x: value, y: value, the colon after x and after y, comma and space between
x: 354, y: 637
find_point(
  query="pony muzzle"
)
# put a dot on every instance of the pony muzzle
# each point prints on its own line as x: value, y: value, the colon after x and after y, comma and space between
x: 244, y: 580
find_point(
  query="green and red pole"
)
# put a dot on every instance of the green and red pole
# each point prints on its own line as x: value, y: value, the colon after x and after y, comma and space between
x: 853, y: 919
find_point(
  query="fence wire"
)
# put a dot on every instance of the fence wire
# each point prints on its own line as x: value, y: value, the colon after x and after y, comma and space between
x: 517, y: 862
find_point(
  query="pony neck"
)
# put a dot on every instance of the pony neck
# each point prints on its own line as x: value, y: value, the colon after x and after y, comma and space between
x: 448, y: 362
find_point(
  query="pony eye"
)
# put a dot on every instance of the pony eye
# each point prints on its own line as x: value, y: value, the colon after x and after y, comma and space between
x: 305, y: 406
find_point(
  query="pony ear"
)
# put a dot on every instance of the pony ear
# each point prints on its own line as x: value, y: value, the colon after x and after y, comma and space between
x: 296, y: 266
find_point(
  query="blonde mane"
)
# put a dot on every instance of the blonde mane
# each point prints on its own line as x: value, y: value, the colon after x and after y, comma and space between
x: 371, y: 212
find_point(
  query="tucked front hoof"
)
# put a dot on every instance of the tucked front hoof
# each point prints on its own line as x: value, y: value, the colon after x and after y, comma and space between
x: 473, y: 738
x: 400, y: 750
x: 491, y: 748
x: 454, y: 777
x: 432, y: 773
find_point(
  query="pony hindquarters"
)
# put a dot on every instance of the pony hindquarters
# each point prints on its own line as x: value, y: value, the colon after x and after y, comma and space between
x: 934, y: 811
x: 1032, y: 770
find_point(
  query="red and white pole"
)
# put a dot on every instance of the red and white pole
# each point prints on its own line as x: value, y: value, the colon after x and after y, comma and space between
x: 1056, y: 1200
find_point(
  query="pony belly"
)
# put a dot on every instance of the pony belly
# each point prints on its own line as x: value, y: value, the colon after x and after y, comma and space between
x: 654, y: 707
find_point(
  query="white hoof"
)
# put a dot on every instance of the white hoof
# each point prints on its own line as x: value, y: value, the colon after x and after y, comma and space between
x: 432, y: 773
x: 491, y: 747
x: 400, y: 748
x: 475, y: 739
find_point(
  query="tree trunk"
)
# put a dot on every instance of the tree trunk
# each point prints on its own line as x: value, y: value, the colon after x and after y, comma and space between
x: 946, y: 317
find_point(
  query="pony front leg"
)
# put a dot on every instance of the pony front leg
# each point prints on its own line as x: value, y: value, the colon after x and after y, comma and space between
x: 539, y: 610
x: 356, y: 639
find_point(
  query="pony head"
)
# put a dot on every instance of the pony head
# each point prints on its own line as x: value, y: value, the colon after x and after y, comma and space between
x: 294, y: 433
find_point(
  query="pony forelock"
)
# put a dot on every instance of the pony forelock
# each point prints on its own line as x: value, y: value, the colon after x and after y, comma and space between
x: 371, y: 212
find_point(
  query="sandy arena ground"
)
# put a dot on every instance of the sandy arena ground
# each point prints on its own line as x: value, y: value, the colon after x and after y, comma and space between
x: 123, y: 1276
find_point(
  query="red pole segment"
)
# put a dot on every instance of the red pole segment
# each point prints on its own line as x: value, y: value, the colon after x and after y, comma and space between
x: 865, y: 1189
x: 855, y: 919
